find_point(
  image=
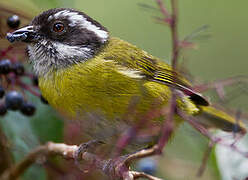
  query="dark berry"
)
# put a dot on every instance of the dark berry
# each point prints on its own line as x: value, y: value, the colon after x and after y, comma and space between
x: 5, y: 66
x: 2, y: 92
x: 147, y: 165
x: 35, y: 81
x: 3, y: 110
x: 13, y: 100
x: 18, y: 69
x: 13, y: 21
x: 43, y: 99
x: 28, y: 109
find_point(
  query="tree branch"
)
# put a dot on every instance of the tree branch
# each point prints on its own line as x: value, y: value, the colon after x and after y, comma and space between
x: 114, y: 168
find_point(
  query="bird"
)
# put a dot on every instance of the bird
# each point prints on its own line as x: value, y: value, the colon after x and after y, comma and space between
x: 109, y: 83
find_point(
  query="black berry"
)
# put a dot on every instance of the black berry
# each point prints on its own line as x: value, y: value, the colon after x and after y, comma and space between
x: 13, y: 21
x: 148, y: 165
x: 43, y: 99
x: 5, y: 66
x: 3, y: 110
x: 35, y: 81
x: 18, y: 69
x: 13, y: 100
x: 2, y: 92
x: 28, y: 109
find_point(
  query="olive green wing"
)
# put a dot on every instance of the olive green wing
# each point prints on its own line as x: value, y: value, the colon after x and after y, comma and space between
x: 152, y: 68
x: 161, y: 72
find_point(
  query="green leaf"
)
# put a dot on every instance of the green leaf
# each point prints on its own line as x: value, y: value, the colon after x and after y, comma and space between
x: 47, y: 125
x: 20, y: 135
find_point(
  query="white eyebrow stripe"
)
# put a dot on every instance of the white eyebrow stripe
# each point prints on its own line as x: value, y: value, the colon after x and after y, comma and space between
x: 78, y: 19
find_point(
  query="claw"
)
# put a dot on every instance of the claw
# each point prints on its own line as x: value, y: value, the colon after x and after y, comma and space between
x: 85, y: 147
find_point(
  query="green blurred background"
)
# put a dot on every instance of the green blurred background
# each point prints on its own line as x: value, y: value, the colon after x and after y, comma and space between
x: 222, y: 55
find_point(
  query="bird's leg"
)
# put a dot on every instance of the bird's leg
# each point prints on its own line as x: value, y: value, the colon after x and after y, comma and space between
x: 120, y: 166
x: 85, y: 147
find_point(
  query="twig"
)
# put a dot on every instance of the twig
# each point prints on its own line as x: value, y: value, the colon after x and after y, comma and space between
x: 114, y: 168
x: 222, y: 82
x: 133, y: 132
x: 163, y: 9
x: 18, y: 169
x: 174, y: 18
x: 215, y: 140
x: 28, y: 88
x: 205, y: 159
x: 136, y: 175
x: 141, y: 154
x: 168, y: 126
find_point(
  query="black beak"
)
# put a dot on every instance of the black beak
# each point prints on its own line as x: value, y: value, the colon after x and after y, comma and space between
x: 25, y: 34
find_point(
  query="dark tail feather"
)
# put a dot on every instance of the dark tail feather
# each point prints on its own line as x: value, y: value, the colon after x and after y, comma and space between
x: 211, y: 117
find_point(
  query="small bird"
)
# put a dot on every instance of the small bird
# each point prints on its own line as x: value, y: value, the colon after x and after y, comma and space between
x: 86, y: 74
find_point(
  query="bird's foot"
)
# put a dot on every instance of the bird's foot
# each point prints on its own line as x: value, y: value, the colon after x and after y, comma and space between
x: 119, y: 167
x: 89, y: 146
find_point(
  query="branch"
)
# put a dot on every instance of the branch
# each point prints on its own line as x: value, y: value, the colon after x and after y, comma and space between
x: 163, y: 10
x: 205, y: 159
x: 221, y: 82
x: 168, y: 126
x: 175, y: 44
x: 214, y: 140
x: 114, y: 168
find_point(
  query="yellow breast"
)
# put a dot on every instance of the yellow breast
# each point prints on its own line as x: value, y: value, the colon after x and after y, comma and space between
x: 100, y: 85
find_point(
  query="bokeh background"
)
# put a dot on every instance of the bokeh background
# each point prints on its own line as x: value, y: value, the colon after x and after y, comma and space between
x: 220, y: 52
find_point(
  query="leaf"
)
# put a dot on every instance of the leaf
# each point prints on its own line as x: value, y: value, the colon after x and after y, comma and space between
x: 198, y: 34
x: 20, y: 136
x: 46, y: 124
x: 25, y: 133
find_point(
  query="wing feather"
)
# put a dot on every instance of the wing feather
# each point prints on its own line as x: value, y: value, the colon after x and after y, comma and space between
x: 165, y: 75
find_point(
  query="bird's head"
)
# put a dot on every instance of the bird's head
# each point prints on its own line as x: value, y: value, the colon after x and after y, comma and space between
x: 60, y: 37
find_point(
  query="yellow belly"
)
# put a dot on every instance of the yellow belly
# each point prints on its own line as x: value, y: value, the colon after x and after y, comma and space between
x: 100, y: 86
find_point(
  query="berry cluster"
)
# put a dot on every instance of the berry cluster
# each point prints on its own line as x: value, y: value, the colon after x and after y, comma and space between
x: 15, y: 101
x: 6, y: 67
x: 12, y: 75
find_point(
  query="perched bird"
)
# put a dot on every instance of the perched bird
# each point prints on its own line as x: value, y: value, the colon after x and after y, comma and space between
x: 87, y: 74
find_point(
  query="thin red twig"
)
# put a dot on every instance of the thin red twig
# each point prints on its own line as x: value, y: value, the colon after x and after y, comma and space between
x: 215, y: 140
x: 28, y: 88
x: 175, y: 44
x: 163, y: 9
x: 168, y: 126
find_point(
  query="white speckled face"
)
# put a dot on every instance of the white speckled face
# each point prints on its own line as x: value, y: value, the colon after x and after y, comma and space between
x: 58, y: 52
x: 79, y: 20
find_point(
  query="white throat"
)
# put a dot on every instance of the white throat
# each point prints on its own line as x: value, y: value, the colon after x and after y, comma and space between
x: 46, y: 57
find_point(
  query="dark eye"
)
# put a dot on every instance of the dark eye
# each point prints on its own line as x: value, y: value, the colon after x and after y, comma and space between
x: 58, y: 27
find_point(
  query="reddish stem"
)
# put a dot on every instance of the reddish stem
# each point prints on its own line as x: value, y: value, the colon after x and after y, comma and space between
x: 163, y: 10
x: 168, y: 126
x: 28, y: 88
x: 175, y: 44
